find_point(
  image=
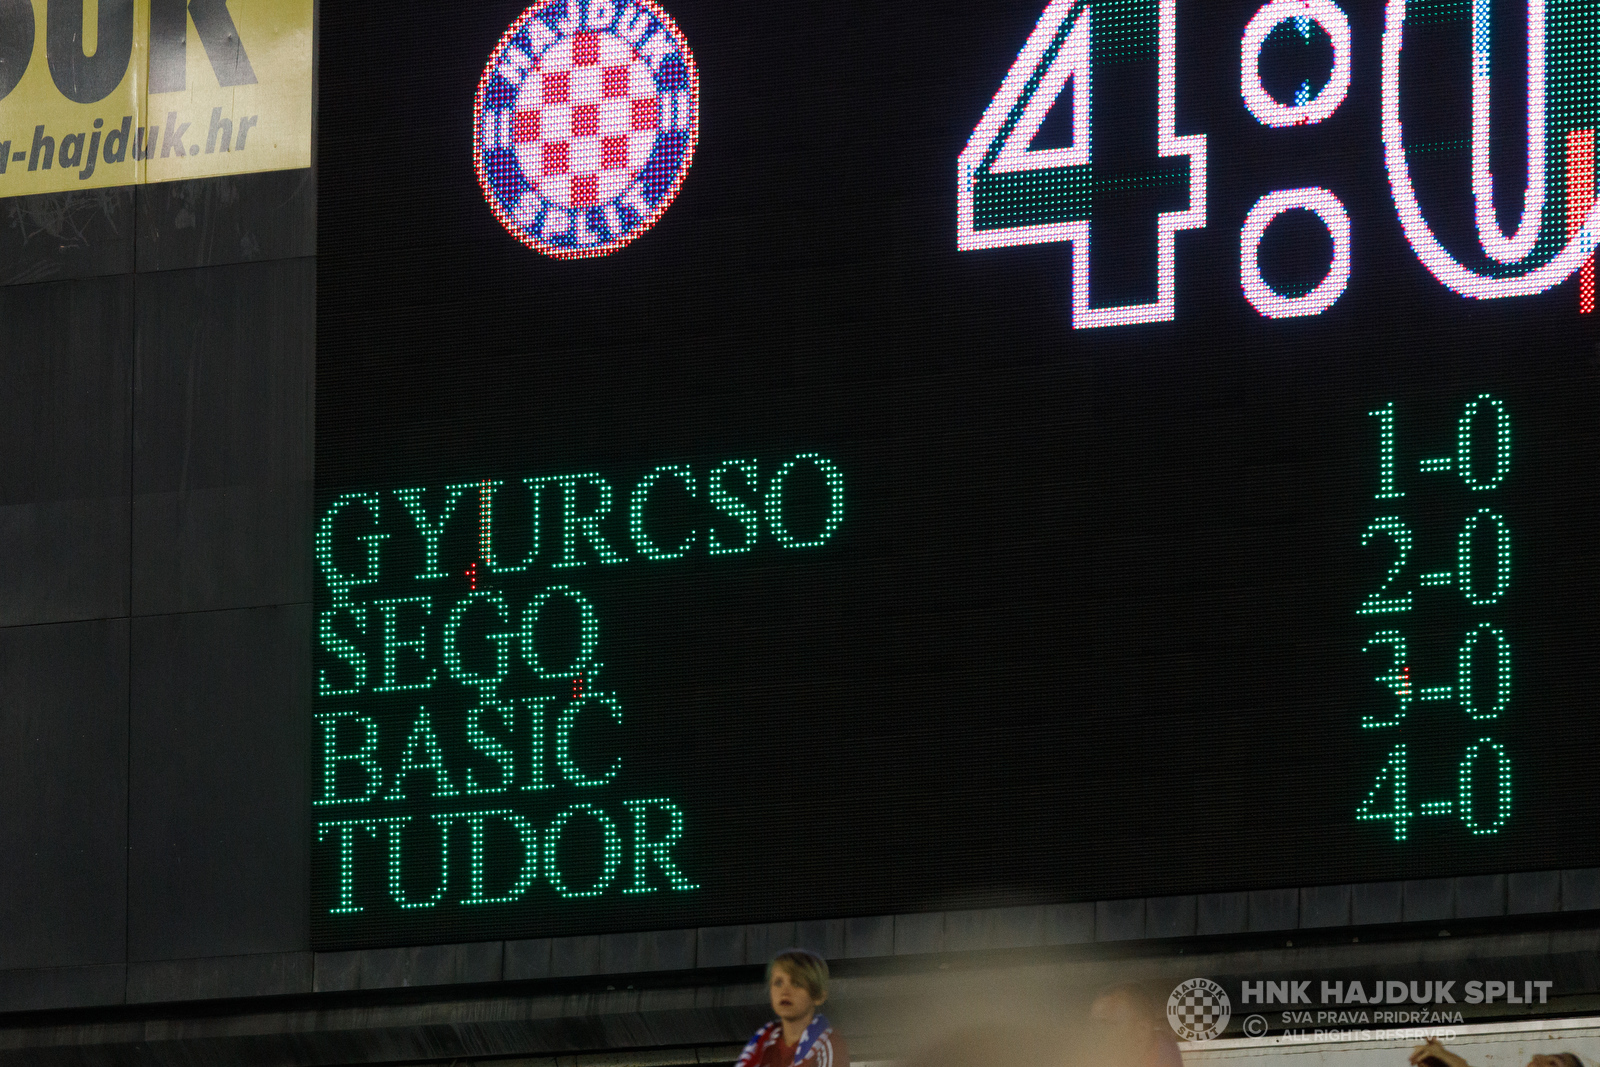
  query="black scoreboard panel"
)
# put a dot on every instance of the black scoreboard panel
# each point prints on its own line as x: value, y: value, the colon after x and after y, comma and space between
x: 1045, y: 451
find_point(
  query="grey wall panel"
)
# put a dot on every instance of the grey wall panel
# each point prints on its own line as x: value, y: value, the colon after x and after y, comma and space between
x: 1325, y: 905
x: 224, y: 377
x: 523, y: 959
x: 650, y: 950
x: 66, y: 235
x: 1170, y: 916
x: 223, y: 438
x: 913, y: 934
x: 574, y: 956
x: 719, y: 946
x: 269, y: 974
x: 38, y: 989
x: 1480, y: 896
x: 1221, y: 913
x: 63, y: 793
x: 1428, y: 899
x: 1533, y: 892
x: 825, y: 937
x: 228, y: 547
x: 1376, y: 902
x: 65, y: 450
x: 1274, y: 909
x: 239, y: 219
x: 1580, y: 890
x: 64, y: 429
x: 217, y: 804
x: 762, y: 941
x: 1119, y: 920
x: 1069, y: 924
x: 155, y: 458
x: 64, y: 560
x: 871, y: 935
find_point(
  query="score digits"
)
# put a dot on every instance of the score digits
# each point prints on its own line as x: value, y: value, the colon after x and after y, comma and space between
x: 1481, y: 686
x: 1010, y: 193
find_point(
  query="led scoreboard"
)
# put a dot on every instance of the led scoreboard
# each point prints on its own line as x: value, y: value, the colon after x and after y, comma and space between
x: 782, y: 461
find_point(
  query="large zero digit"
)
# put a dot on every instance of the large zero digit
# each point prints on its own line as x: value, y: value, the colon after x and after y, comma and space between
x: 1476, y: 595
x: 1474, y: 476
x: 1502, y: 673
x: 1541, y: 264
x: 1502, y: 781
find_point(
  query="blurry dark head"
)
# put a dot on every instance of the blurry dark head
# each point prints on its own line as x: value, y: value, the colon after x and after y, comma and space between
x: 1559, y: 1059
x: 1127, y: 1005
x: 1128, y: 1027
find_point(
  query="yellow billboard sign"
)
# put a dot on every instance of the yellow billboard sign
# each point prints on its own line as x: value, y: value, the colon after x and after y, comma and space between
x: 115, y: 92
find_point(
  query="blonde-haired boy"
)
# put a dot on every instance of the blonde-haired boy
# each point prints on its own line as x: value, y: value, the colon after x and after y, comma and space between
x: 797, y: 985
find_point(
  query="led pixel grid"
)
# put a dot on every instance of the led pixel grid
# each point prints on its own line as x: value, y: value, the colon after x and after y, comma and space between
x: 586, y: 120
x: 1255, y: 527
x: 472, y: 755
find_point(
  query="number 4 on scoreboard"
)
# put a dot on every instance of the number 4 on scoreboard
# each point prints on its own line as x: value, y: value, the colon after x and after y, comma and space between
x: 1390, y: 787
x: 1009, y: 193
x: 1485, y: 764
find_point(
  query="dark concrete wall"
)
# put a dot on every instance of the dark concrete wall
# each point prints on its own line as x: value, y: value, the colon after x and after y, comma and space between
x: 156, y: 413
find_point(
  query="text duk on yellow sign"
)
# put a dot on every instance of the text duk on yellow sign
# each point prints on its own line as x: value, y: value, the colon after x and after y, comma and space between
x: 113, y: 92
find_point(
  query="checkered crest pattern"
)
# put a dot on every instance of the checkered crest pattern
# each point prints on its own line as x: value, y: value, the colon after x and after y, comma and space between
x: 584, y: 124
x: 586, y: 120
x: 1198, y: 1010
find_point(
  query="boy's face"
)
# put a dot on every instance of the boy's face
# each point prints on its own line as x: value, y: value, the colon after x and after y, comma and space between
x: 791, y: 1001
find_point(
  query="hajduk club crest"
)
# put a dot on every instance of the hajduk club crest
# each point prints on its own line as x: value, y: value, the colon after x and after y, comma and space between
x: 587, y: 116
